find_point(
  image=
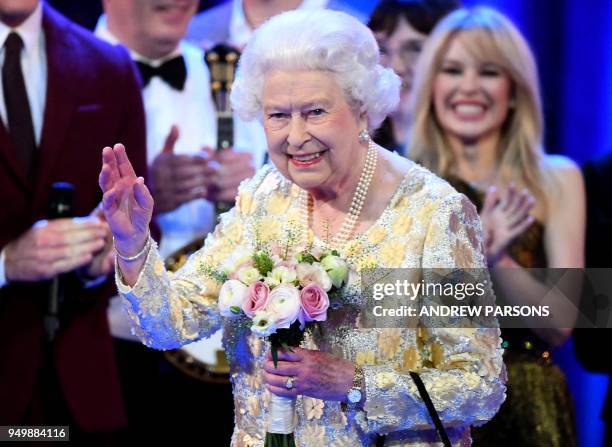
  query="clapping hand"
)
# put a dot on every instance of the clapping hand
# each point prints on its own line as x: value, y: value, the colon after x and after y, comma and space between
x: 503, y: 218
x: 230, y: 168
x: 179, y: 178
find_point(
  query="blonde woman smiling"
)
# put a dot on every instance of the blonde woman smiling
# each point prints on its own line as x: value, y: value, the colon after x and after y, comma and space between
x: 478, y: 123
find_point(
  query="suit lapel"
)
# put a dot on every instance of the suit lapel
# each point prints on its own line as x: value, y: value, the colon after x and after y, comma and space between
x: 15, y: 167
x: 62, y: 80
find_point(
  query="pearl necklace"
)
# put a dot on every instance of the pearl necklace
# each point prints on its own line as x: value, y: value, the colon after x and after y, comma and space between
x: 359, y: 197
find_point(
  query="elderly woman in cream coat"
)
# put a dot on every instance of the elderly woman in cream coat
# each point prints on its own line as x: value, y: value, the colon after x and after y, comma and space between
x: 313, y: 79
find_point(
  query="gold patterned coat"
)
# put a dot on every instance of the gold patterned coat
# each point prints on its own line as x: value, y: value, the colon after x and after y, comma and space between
x: 426, y: 224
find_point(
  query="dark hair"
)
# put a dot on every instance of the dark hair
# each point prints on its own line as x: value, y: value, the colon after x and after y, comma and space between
x: 422, y: 15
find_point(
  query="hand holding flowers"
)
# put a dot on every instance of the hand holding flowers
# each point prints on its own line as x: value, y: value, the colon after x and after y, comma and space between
x: 315, y: 374
x: 281, y: 297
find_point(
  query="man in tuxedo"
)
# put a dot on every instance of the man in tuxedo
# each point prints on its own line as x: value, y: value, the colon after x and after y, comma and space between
x: 181, y: 120
x: 65, y: 95
x: 185, y: 170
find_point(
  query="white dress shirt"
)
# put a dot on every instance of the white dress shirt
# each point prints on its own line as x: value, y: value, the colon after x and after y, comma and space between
x: 34, y: 68
x: 192, y: 110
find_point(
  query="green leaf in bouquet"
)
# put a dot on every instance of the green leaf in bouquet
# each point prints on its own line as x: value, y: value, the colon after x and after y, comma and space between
x: 334, y: 294
x: 263, y: 263
x: 285, y: 339
x: 235, y: 309
x: 330, y: 253
x: 306, y: 257
x: 274, y: 352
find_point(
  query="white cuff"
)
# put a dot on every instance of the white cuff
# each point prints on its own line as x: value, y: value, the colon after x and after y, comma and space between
x: 3, y: 280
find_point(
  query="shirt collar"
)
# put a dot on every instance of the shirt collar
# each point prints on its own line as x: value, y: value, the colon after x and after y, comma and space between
x: 104, y: 33
x: 30, y: 31
x: 240, y: 31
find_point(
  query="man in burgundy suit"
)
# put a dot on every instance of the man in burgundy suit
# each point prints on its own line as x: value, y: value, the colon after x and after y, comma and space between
x: 65, y: 95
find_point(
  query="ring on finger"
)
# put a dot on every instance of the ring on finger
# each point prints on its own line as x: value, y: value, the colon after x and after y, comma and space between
x: 289, y: 383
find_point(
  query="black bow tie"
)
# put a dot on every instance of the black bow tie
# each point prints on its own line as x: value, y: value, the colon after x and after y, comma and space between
x: 173, y: 72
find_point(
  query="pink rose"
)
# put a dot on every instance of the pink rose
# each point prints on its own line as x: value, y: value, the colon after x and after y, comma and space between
x: 314, y: 301
x: 257, y: 298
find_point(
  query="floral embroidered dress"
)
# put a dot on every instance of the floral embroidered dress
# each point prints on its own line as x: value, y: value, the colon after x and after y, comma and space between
x: 426, y: 224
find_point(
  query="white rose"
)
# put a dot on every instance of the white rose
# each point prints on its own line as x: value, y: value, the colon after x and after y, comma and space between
x: 285, y: 304
x: 249, y: 275
x: 231, y: 297
x: 264, y: 323
x: 313, y: 273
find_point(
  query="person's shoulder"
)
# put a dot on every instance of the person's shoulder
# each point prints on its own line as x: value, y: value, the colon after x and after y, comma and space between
x: 561, y: 174
x: 433, y: 194
x: 266, y: 180
x: 210, y: 26
x: 82, y: 43
x: 561, y: 182
x: 267, y: 183
x: 559, y: 164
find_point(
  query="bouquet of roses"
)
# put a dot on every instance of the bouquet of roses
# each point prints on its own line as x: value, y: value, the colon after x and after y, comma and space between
x: 281, y: 296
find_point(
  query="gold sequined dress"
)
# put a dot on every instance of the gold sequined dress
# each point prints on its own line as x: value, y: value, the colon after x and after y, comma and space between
x: 426, y: 224
x: 538, y: 410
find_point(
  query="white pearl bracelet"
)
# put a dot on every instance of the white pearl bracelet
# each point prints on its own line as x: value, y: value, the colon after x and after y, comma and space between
x: 144, y: 250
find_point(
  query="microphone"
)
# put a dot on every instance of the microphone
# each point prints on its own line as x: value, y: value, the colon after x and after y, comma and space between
x: 61, y: 201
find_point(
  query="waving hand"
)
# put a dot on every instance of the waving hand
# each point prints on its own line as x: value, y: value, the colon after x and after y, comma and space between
x: 127, y: 202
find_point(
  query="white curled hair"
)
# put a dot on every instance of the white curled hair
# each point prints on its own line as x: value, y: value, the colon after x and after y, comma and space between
x: 324, y: 40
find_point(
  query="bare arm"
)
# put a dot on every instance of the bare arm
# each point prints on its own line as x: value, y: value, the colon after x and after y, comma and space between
x: 564, y: 245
